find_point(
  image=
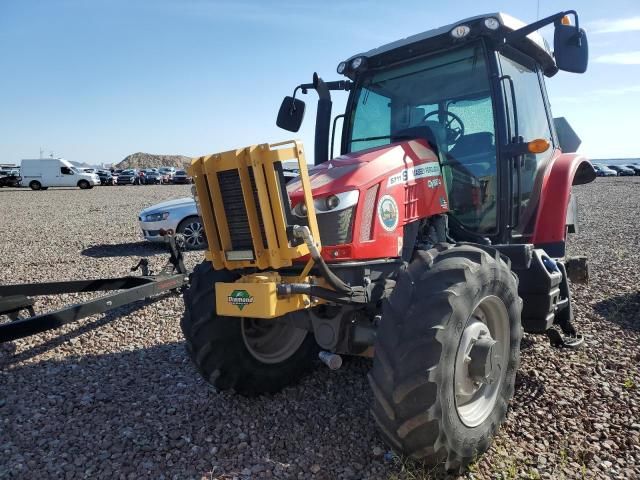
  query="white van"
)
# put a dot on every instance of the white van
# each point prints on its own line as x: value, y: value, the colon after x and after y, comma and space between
x: 42, y: 173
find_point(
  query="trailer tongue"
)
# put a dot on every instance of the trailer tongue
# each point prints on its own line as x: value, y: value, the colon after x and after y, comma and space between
x: 16, y: 299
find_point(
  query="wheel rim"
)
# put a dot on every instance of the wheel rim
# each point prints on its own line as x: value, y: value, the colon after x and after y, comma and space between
x: 193, y: 234
x: 271, y: 341
x: 481, y: 361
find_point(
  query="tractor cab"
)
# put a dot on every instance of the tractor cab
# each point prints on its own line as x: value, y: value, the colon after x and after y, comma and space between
x: 474, y: 91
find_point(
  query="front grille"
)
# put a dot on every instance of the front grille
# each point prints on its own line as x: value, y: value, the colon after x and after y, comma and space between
x: 336, y: 228
x: 247, y: 188
x: 236, y: 211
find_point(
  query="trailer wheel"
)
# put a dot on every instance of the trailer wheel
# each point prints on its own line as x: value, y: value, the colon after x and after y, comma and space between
x: 249, y: 356
x: 35, y: 185
x: 447, y: 352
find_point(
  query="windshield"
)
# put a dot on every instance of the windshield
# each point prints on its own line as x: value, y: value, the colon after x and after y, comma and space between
x: 446, y: 100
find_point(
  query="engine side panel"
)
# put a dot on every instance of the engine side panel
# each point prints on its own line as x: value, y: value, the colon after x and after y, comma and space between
x: 397, y: 184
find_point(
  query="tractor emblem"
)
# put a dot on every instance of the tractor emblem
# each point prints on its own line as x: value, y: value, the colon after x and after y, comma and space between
x: 240, y: 298
x: 388, y: 213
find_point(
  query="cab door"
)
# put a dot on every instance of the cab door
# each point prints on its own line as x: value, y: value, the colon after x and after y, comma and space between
x: 68, y: 177
x: 533, y: 120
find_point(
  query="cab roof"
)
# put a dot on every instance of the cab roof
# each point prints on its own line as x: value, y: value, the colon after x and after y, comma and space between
x: 533, y: 45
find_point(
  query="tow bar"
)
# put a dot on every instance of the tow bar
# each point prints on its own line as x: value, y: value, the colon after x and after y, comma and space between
x: 15, y: 299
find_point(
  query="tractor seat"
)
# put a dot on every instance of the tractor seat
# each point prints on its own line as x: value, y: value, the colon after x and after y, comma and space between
x: 476, y: 151
x: 473, y: 144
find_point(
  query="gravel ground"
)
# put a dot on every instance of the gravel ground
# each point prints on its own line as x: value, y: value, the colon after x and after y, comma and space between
x: 113, y: 396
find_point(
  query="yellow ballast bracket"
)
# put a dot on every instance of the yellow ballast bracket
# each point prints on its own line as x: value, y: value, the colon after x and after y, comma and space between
x: 244, y: 206
x: 256, y: 296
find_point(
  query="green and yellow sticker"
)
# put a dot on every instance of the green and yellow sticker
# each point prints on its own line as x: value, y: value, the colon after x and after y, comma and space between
x: 240, y: 298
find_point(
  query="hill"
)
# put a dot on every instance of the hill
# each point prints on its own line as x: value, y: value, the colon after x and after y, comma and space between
x: 149, y: 160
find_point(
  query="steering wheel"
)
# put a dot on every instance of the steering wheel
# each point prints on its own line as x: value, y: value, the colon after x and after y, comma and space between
x: 453, y: 131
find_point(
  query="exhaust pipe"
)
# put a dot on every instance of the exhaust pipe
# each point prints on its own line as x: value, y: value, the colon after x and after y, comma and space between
x: 323, y: 121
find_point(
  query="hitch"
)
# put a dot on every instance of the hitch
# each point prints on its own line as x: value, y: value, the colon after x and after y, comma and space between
x: 558, y: 340
x: 15, y: 299
x: 569, y: 338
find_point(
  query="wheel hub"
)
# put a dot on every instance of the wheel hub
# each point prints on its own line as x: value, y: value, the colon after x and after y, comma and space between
x: 271, y: 341
x: 481, y: 360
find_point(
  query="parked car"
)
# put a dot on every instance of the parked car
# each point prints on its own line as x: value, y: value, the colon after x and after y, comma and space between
x: 622, y: 170
x: 10, y: 178
x: 105, y: 177
x: 42, y: 173
x: 635, y: 168
x: 604, y: 171
x: 129, y: 177
x: 167, y: 173
x: 179, y: 215
x: 181, y: 176
x: 152, y: 176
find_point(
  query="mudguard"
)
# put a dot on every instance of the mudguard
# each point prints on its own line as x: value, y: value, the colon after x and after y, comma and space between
x: 564, y: 171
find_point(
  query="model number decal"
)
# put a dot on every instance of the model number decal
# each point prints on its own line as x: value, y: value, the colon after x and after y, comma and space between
x: 431, y: 169
x: 434, y: 183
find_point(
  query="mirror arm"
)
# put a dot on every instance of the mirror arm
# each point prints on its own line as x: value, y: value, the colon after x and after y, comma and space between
x: 524, y: 31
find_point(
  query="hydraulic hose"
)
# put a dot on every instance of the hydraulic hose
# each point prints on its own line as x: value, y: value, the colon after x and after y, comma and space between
x: 331, y: 278
x: 320, y: 292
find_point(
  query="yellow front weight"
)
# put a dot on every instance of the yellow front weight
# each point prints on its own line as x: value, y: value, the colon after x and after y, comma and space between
x: 256, y: 300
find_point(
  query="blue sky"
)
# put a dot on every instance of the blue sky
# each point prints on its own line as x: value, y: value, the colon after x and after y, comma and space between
x: 97, y: 80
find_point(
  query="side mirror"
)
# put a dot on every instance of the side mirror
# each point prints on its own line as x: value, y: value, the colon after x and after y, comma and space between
x: 291, y: 114
x: 571, y: 48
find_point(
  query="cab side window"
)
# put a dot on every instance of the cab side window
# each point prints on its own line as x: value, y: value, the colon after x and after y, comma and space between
x: 66, y: 171
x: 533, y: 123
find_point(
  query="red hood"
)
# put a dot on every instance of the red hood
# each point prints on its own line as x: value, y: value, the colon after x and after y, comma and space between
x: 357, y: 170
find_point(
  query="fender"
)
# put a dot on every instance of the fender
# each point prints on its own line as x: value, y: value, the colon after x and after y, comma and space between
x: 564, y: 171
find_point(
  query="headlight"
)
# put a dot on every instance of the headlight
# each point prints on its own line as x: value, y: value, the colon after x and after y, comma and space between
x: 342, y: 66
x: 330, y: 203
x: 491, y: 23
x: 156, y: 217
x: 460, y: 31
x: 358, y: 62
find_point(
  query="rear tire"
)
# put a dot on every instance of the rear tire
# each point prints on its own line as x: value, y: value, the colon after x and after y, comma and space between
x: 35, y: 185
x: 427, y: 404
x: 218, y: 345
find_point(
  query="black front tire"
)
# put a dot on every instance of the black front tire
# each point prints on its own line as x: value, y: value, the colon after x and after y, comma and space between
x: 417, y: 346
x: 35, y: 185
x: 217, y: 347
x: 84, y: 185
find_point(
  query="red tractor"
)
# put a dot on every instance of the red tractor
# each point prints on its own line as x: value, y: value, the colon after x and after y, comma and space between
x: 430, y: 243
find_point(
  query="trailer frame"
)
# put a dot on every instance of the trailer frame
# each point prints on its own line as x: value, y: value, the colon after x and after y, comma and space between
x: 16, y: 298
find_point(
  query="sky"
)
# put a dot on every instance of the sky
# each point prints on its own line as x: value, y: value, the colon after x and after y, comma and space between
x: 94, y: 81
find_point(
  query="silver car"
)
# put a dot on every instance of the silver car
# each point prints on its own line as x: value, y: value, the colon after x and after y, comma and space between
x: 179, y: 215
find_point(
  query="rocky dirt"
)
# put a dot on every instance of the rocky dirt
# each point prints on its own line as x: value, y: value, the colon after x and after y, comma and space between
x: 150, y: 160
x: 114, y: 396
